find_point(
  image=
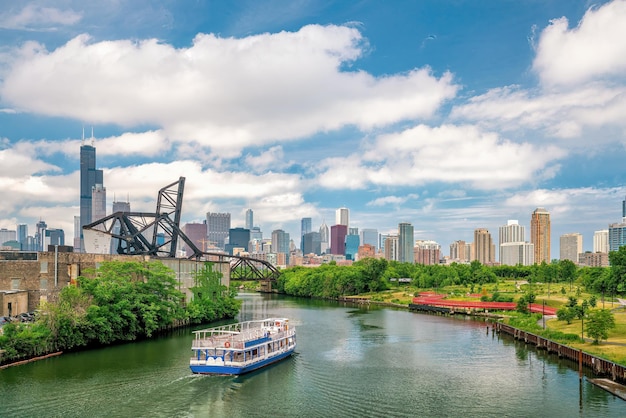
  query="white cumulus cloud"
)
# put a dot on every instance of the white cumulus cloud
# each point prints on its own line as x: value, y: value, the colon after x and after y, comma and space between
x: 596, y: 48
x: 222, y: 93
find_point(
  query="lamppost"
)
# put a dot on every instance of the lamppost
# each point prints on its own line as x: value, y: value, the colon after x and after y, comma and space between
x: 543, y: 313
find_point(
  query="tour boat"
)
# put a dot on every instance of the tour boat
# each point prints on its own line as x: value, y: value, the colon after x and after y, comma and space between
x: 242, y: 347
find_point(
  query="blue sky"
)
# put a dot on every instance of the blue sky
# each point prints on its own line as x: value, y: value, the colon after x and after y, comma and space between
x: 449, y: 114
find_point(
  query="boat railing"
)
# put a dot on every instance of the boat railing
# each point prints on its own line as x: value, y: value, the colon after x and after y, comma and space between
x: 234, y: 337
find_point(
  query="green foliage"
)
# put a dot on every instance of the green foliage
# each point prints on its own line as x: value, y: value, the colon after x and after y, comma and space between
x: 617, y: 279
x: 211, y: 300
x: 565, y: 313
x: 528, y: 322
x: 598, y: 324
x: 121, y: 301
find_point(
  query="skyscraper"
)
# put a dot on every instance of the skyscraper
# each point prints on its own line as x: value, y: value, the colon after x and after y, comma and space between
x: 601, y: 241
x: 342, y: 217
x: 352, y: 246
x: 217, y: 227
x: 370, y: 236
x: 390, y: 246
x: 571, y: 245
x: 53, y: 237
x: 238, y: 238
x: 280, y: 243
x: 427, y: 252
x: 405, y: 243
x: 40, y: 236
x: 311, y: 243
x: 338, y: 239
x: 617, y: 236
x: 89, y: 177
x: 121, y: 206
x: 514, y: 253
x: 324, y: 237
x: 7, y: 235
x: 98, y: 202
x: 511, y: 232
x: 460, y: 252
x: 305, y: 228
x: 249, y: 219
x: 484, y: 248
x: 22, y: 236
x: 540, y: 234
x: 624, y: 209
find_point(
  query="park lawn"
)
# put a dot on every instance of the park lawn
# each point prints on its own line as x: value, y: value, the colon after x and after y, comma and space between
x: 613, y: 349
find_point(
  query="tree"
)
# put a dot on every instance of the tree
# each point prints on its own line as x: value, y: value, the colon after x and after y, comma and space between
x: 211, y: 299
x: 617, y: 260
x: 599, y: 322
x: 567, y: 271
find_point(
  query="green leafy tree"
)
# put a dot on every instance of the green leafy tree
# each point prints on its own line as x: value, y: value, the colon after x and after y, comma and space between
x: 567, y: 272
x: 566, y: 314
x: 211, y: 299
x: 599, y: 322
x: 618, y: 270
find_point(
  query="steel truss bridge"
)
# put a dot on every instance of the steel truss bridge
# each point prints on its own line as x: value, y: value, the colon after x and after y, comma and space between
x: 158, y: 234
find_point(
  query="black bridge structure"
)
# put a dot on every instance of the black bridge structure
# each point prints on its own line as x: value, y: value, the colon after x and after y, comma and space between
x: 158, y: 234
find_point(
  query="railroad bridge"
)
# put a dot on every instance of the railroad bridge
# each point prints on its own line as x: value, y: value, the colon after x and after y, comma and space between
x: 158, y: 233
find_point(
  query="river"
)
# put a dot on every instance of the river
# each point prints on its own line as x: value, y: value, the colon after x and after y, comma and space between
x: 350, y: 362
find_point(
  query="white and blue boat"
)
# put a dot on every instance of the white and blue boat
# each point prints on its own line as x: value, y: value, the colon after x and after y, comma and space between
x: 242, y: 347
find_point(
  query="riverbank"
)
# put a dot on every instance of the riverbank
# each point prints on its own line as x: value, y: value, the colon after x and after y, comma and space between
x: 30, y: 360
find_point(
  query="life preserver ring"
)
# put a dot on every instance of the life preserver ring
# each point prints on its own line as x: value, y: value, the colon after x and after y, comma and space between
x: 227, y: 344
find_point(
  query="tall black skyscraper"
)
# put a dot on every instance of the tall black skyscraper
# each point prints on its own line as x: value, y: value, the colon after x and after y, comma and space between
x: 89, y: 177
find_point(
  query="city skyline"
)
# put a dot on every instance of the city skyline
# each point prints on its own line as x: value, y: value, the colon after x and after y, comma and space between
x: 451, y: 116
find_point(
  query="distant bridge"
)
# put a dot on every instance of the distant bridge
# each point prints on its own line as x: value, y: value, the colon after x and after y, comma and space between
x: 157, y: 234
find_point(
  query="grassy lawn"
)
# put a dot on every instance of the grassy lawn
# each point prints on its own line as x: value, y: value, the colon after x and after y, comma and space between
x: 614, y: 349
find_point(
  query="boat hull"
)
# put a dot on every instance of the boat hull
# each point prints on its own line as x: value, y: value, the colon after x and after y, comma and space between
x: 238, y: 370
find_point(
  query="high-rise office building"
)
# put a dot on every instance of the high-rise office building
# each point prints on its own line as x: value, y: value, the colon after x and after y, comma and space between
x: 238, y: 238
x: 571, y: 246
x: 196, y: 232
x: 7, y: 235
x: 305, y: 228
x: 540, y: 235
x: 121, y: 207
x: 53, y: 237
x: 484, y: 248
x: 98, y: 202
x: 89, y: 177
x: 405, y: 243
x: 311, y: 243
x: 217, y: 227
x: 324, y: 238
x: 280, y: 243
x: 617, y: 236
x: 249, y: 219
x: 352, y: 246
x: 338, y: 239
x: 256, y: 234
x: 22, y: 236
x: 460, y: 251
x: 40, y: 236
x: 342, y: 217
x: 624, y: 209
x: 601, y: 241
x: 369, y: 236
